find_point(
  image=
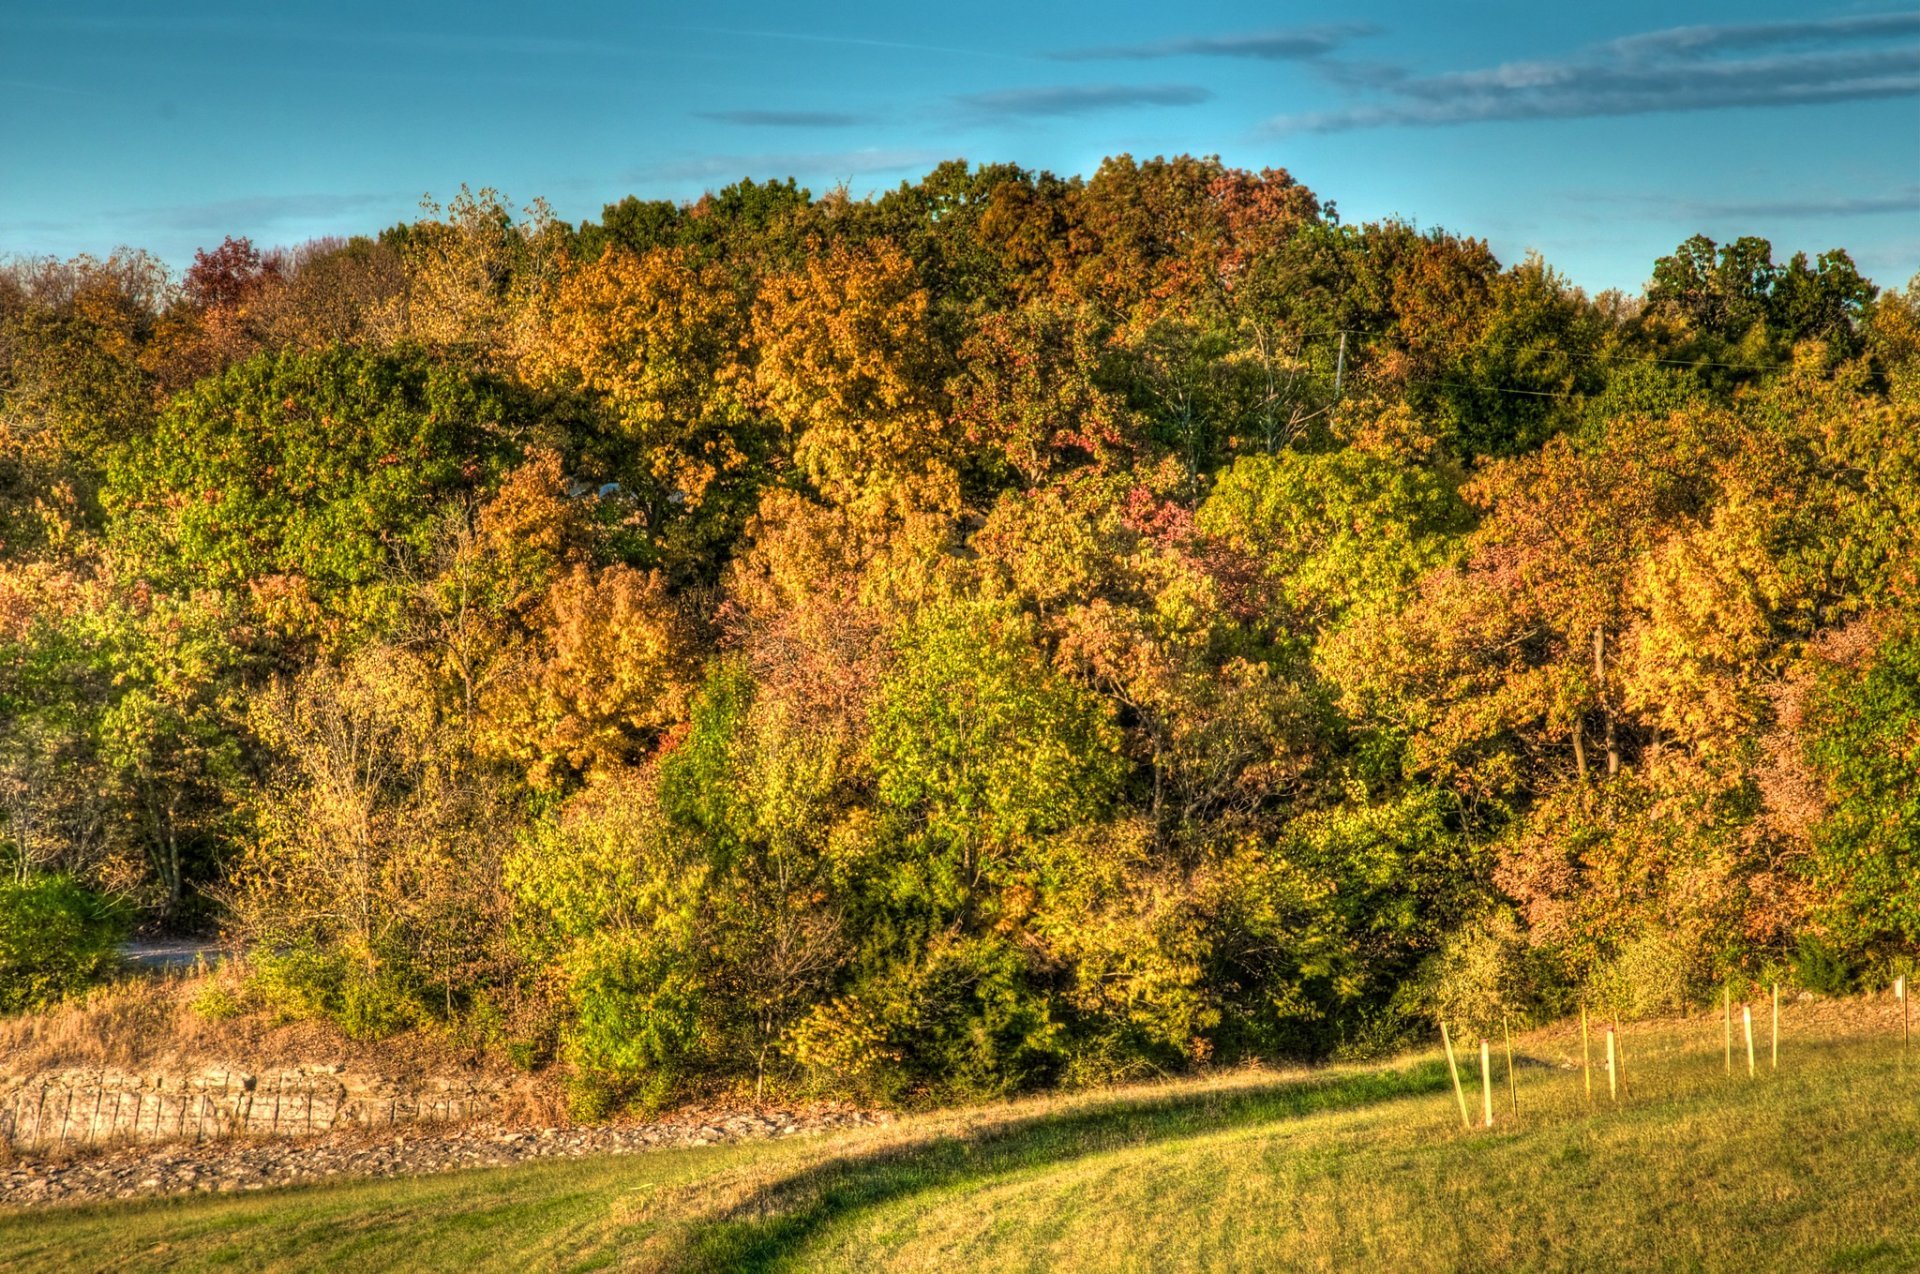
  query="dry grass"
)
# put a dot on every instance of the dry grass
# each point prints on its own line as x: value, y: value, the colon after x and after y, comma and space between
x: 151, y: 1022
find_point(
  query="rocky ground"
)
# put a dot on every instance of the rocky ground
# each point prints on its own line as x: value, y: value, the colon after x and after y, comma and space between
x: 255, y: 1163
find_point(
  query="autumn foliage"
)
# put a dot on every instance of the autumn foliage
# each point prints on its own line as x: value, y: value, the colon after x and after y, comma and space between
x: 1005, y: 631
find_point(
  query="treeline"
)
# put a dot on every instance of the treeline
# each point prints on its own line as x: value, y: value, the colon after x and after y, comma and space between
x: 1009, y: 630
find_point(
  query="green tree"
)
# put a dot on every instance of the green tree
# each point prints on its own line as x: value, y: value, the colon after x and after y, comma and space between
x: 324, y: 467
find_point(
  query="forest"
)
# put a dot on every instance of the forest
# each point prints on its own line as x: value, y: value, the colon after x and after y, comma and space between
x: 1007, y: 631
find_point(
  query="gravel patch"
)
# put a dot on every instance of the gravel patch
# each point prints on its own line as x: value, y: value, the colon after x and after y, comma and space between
x: 239, y: 1165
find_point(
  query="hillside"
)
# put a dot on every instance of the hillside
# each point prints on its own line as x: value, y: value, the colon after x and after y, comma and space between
x: 1349, y: 1167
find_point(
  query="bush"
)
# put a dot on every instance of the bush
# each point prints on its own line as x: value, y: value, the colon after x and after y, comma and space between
x: 218, y: 1001
x: 1657, y: 970
x: 636, y: 1020
x: 966, y: 1020
x: 1867, y: 849
x: 1820, y: 968
x: 56, y: 938
x: 305, y: 982
x: 1482, y: 973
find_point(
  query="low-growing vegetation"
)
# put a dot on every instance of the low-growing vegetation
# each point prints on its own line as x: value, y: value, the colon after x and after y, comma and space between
x: 1349, y: 1167
x: 56, y: 938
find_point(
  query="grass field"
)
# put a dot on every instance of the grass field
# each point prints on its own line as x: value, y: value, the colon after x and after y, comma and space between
x: 1810, y: 1168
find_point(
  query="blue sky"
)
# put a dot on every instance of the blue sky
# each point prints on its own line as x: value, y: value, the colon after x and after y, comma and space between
x: 1600, y: 135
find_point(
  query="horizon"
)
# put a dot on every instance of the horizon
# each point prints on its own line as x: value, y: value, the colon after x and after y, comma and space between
x: 1600, y: 141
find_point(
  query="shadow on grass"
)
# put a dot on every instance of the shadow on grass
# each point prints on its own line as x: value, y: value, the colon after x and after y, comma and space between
x: 770, y: 1224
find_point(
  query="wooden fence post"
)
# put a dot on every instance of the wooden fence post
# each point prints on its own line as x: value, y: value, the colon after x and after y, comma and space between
x: 1906, y: 1018
x: 1726, y: 1000
x: 1486, y: 1083
x: 1446, y: 1042
x: 1746, y: 1016
x: 1586, y: 1054
x: 1613, y: 1082
x: 1774, y: 1064
x: 1513, y: 1094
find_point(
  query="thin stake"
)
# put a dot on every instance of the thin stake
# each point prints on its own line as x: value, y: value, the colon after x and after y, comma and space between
x: 1486, y: 1082
x: 1586, y: 1054
x: 1446, y: 1041
x: 1726, y: 998
x: 1775, y: 1064
x: 1625, y: 1087
x: 1513, y: 1094
x: 1746, y: 1016
x: 1906, y: 1018
x: 1613, y: 1084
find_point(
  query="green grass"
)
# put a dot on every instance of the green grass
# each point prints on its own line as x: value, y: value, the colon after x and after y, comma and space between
x: 1809, y: 1169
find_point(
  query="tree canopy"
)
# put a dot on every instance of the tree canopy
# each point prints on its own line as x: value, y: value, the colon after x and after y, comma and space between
x: 1010, y: 630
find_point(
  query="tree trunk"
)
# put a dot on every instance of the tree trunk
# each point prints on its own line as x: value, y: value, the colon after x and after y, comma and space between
x: 1600, y: 694
x: 174, y: 886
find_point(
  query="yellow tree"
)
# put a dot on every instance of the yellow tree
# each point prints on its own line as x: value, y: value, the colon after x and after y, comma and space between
x: 850, y: 367
x: 657, y: 340
x: 609, y: 668
x: 471, y: 276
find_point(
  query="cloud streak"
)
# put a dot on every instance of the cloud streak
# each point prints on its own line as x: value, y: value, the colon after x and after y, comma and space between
x: 264, y: 210
x: 1904, y: 199
x: 146, y: 29
x: 1744, y: 35
x: 849, y: 41
x: 1288, y: 45
x: 776, y: 164
x: 1053, y: 101
x: 1678, y: 69
x: 177, y: 228
x: 786, y: 119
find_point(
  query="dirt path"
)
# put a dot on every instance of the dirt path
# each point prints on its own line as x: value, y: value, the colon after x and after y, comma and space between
x: 171, y: 955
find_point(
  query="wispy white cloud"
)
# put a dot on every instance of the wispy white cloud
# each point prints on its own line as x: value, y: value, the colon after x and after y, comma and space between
x: 264, y: 212
x: 147, y: 28
x: 1906, y: 199
x: 1079, y: 99
x: 260, y: 215
x: 1747, y: 35
x: 867, y: 161
x: 1283, y: 45
x: 848, y: 41
x: 1678, y: 69
x: 786, y: 119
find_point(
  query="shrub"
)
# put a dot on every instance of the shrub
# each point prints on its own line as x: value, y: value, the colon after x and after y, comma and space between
x: 1867, y: 748
x: 56, y: 938
x: 305, y: 982
x: 1658, y: 970
x: 636, y: 1020
x: 965, y: 1020
x: 1820, y: 968
x: 1482, y: 972
x: 218, y: 1001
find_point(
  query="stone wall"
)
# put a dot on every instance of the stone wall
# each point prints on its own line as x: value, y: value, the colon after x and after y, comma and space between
x: 100, y: 1107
